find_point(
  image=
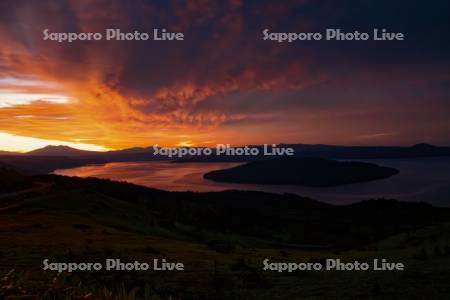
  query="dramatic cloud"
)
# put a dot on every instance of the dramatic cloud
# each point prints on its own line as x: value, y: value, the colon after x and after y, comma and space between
x: 224, y: 83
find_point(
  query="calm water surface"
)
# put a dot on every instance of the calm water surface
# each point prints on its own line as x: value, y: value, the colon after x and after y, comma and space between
x: 424, y: 179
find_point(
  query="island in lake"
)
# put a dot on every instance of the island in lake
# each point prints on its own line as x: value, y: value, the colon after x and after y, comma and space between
x: 312, y: 172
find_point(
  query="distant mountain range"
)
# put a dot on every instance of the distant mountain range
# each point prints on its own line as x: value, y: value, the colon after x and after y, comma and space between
x: 49, y: 158
x: 126, y: 154
x: 301, y: 150
x: 72, y: 152
x: 61, y: 151
x: 337, y: 152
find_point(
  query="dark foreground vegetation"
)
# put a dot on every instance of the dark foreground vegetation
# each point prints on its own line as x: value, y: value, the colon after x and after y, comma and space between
x: 222, y: 238
x: 11, y: 180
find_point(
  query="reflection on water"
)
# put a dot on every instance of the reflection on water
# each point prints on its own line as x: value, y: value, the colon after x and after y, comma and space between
x: 424, y: 179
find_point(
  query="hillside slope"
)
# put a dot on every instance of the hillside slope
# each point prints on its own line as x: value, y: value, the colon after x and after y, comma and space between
x: 222, y: 238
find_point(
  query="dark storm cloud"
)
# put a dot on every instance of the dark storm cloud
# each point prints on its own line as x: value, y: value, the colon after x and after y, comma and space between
x: 223, y: 38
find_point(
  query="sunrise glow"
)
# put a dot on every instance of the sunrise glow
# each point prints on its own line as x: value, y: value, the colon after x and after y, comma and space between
x: 15, y: 143
x: 235, y: 88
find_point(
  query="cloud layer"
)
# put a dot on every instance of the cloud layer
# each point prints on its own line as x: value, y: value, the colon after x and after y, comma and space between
x: 224, y: 83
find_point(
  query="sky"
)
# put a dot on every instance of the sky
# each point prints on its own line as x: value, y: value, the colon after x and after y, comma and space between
x: 223, y: 83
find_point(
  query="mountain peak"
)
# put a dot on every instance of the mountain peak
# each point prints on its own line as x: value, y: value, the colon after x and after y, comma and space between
x: 58, y: 147
x: 59, y: 150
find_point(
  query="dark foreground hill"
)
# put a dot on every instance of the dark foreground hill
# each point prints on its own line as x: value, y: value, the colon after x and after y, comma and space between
x: 315, y: 172
x: 271, y: 218
x: 11, y: 180
x: 221, y: 237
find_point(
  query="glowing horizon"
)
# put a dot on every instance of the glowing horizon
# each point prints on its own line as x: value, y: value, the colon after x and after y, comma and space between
x: 123, y: 94
x: 22, y: 144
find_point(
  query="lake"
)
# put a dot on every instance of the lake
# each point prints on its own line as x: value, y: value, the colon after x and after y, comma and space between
x: 420, y: 179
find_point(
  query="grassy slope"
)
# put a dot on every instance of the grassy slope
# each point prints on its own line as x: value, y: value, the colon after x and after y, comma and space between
x: 81, y: 223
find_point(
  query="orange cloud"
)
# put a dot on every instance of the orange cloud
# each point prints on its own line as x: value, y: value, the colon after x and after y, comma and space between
x: 223, y: 83
x: 102, y: 109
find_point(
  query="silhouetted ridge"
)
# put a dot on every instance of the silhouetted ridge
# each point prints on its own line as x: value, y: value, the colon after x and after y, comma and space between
x: 61, y: 151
